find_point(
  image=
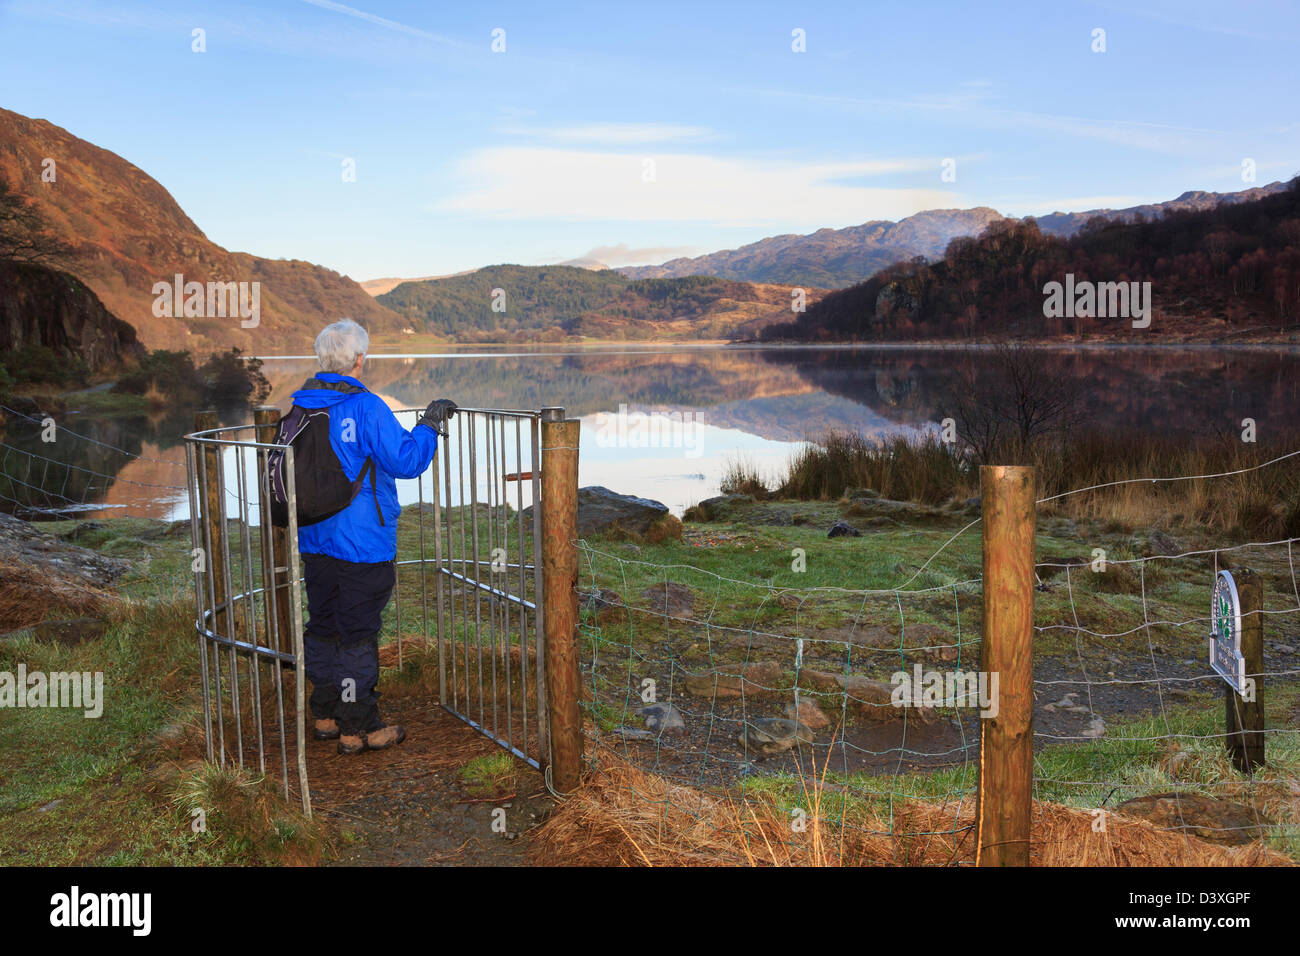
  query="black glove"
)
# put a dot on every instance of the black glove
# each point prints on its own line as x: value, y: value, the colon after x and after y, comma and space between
x: 436, y: 415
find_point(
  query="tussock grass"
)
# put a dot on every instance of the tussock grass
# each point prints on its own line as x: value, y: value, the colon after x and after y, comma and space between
x: 907, y: 469
x: 623, y: 816
x: 490, y: 775
x: 240, y: 818
x: 1264, y: 502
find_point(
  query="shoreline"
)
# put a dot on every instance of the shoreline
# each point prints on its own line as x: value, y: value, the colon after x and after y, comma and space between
x: 502, y: 350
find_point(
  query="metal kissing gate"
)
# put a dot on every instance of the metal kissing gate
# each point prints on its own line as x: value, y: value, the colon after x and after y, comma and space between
x: 487, y: 551
x: 477, y: 527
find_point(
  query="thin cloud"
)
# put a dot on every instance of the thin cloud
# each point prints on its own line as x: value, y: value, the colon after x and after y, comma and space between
x: 614, y: 133
x: 965, y: 106
x: 621, y: 254
x: 576, y: 185
x: 380, y: 21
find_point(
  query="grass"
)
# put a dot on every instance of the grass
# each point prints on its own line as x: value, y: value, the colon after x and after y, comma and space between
x: 1263, y: 503
x: 491, y: 775
x: 122, y: 789
x: 1180, y: 750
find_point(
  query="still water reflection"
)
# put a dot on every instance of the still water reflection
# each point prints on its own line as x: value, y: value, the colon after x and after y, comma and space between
x: 664, y: 422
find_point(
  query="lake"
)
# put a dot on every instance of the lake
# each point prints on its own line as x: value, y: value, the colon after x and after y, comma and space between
x: 663, y: 422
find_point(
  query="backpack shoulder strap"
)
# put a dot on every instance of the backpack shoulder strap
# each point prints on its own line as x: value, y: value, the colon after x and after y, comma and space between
x: 345, y: 387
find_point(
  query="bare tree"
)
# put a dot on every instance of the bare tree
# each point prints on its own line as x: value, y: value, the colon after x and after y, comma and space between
x: 24, y: 236
x: 1017, y: 402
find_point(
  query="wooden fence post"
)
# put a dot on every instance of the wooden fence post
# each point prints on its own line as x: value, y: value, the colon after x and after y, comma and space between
x: 213, y: 513
x: 1245, y: 718
x: 275, y: 569
x: 1006, y: 776
x: 560, y: 596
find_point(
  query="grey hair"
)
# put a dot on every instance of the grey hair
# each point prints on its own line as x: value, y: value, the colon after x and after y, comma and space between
x: 340, y: 345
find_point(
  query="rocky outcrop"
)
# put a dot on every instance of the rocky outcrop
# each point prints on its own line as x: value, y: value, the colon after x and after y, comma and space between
x: 41, y: 306
x: 42, y: 577
x: 750, y: 679
x: 600, y: 510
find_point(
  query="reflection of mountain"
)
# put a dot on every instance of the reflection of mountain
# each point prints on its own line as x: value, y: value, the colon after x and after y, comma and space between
x: 1184, y: 390
x: 788, y: 394
x: 805, y: 416
x: 584, y: 383
x: 782, y: 395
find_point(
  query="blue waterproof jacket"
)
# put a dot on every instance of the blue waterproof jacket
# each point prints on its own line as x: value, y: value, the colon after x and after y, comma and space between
x: 362, y: 426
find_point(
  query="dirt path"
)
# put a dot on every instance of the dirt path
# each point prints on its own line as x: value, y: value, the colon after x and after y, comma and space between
x: 409, y: 806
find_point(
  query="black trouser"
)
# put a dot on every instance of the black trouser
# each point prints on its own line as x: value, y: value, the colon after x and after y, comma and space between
x: 345, y: 606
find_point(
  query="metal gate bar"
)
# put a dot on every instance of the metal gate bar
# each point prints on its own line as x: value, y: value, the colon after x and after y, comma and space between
x: 234, y: 549
x: 487, y: 590
x: 483, y: 552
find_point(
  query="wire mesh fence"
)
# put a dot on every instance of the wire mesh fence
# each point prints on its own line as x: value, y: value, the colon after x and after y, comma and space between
x: 1130, y: 646
x: 48, y: 470
x: 859, y: 710
x: 783, y: 698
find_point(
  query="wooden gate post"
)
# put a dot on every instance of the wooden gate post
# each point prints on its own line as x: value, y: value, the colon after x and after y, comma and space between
x: 1245, y: 718
x: 212, y: 513
x: 275, y: 559
x: 1006, y: 778
x: 559, y: 507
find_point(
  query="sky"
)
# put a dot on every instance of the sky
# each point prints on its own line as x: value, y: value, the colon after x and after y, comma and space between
x: 482, y: 133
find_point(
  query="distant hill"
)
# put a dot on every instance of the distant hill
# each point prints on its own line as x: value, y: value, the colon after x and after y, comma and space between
x: 1225, y: 271
x: 556, y: 302
x: 1066, y: 224
x: 377, y: 287
x: 838, y: 258
x: 830, y: 258
x: 123, y: 232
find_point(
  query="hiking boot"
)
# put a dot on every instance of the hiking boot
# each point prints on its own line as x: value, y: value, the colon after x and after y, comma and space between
x: 351, y: 744
x: 385, y: 737
x: 326, y: 729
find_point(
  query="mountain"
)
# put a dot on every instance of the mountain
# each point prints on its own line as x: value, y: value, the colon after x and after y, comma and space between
x: 838, y: 258
x: 1225, y: 271
x: 513, y: 303
x: 830, y: 258
x: 1066, y: 224
x: 123, y: 232
x: 377, y: 287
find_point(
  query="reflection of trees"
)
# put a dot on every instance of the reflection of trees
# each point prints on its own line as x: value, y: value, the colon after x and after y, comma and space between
x: 82, y: 464
x: 1012, y: 402
x: 1183, y: 390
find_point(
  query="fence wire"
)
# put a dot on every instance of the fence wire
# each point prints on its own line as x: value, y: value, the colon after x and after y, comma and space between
x: 696, y: 678
x: 731, y: 686
x: 61, y: 473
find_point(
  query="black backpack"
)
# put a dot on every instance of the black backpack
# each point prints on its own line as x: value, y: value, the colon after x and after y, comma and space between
x: 322, y: 487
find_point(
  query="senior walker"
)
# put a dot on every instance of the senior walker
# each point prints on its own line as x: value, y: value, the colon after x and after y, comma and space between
x: 349, y: 449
